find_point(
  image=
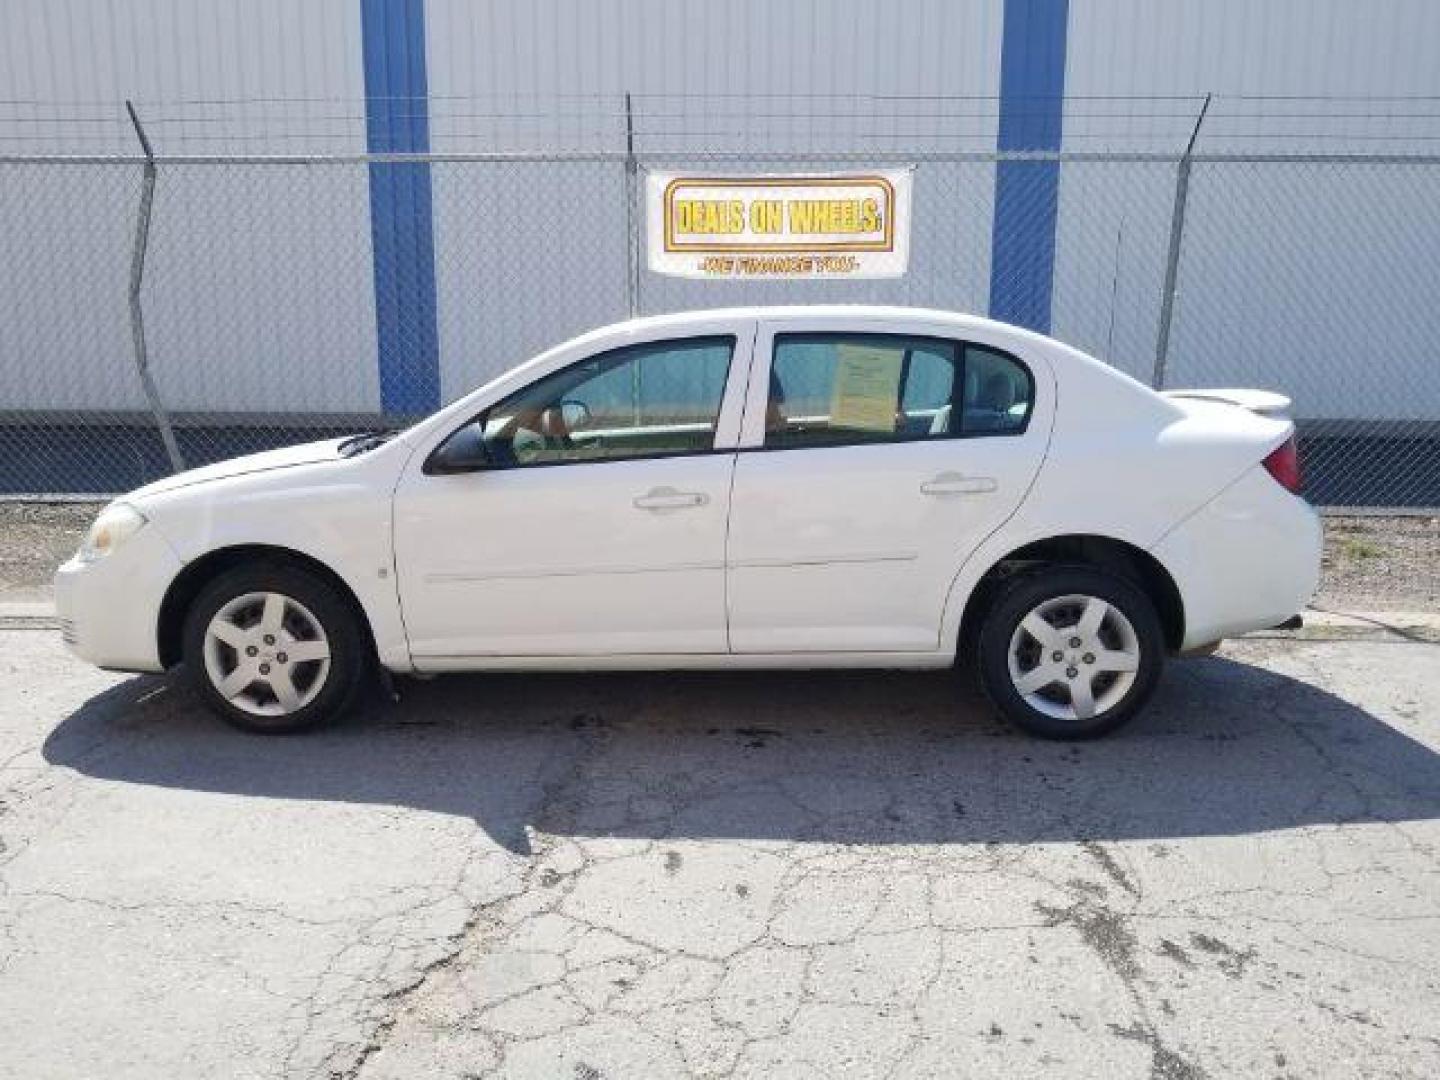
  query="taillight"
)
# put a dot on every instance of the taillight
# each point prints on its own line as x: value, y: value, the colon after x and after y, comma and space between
x: 1283, y: 463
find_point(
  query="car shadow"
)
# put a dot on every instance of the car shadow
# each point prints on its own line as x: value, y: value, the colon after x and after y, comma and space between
x: 850, y: 757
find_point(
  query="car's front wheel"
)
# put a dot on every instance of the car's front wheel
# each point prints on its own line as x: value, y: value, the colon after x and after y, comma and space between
x: 1070, y: 652
x: 274, y: 648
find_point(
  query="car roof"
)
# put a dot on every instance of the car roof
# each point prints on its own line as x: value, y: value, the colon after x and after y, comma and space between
x: 1064, y: 357
x: 1005, y: 335
x: 839, y: 313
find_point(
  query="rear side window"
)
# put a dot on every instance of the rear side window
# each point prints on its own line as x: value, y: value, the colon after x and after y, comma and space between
x: 842, y: 389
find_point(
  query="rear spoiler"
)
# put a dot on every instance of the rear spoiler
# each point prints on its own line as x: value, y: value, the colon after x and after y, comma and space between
x: 1264, y: 402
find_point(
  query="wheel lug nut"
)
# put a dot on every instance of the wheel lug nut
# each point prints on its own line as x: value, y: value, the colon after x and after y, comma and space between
x: 281, y: 657
x: 251, y: 650
x: 1074, y: 642
x: 1057, y: 656
x: 1089, y: 658
x: 264, y: 669
x: 270, y: 639
x: 1070, y: 672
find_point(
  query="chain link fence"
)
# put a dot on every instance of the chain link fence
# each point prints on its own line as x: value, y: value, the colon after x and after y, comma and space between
x: 243, y: 313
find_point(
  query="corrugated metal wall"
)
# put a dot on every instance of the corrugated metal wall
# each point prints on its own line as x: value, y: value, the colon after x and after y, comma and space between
x: 1333, y: 47
x: 239, y: 76
x: 749, y: 75
x: 267, y: 76
x: 1256, y: 304
x: 227, y: 331
x: 695, y: 47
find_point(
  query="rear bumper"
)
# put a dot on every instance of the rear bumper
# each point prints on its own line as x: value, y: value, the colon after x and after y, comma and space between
x: 1248, y: 560
x: 109, y: 610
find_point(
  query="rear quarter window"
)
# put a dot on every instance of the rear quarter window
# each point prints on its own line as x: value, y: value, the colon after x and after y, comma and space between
x: 999, y: 393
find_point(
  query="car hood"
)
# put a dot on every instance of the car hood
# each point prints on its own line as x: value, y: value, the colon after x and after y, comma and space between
x: 266, y: 461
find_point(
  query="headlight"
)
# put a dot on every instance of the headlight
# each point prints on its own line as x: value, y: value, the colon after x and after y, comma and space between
x: 116, y: 524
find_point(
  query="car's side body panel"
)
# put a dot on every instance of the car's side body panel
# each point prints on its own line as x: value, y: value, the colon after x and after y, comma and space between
x: 540, y: 562
x: 850, y: 548
x: 336, y: 512
x: 574, y: 558
x: 1247, y: 559
x: 1125, y: 464
x: 709, y: 661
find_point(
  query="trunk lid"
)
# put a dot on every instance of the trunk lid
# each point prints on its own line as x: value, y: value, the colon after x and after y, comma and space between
x: 1248, y: 427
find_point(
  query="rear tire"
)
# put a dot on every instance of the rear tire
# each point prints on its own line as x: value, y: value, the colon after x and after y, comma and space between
x: 1070, y: 651
x: 273, y: 648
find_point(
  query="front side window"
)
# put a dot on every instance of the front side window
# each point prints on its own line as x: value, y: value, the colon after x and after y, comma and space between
x: 840, y: 389
x: 659, y: 398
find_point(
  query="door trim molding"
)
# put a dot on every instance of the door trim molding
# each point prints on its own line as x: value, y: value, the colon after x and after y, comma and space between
x: 443, y: 577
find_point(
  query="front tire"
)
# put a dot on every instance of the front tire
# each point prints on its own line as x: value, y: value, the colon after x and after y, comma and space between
x: 274, y: 648
x: 1070, y: 651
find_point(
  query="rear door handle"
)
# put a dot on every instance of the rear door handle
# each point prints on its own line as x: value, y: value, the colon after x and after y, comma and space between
x: 667, y: 498
x: 954, y: 483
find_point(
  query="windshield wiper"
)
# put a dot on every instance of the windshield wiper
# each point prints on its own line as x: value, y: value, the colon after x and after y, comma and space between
x: 368, y: 440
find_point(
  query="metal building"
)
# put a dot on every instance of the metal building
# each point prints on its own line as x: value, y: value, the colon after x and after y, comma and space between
x: 290, y: 289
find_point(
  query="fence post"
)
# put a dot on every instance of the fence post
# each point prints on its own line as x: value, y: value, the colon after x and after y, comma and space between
x: 632, y: 217
x: 137, y: 312
x: 1172, y: 258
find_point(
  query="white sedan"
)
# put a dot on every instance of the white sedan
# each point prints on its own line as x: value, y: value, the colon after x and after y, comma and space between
x: 752, y: 488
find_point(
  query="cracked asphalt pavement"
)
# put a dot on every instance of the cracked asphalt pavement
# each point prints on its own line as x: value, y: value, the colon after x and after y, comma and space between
x: 792, y: 875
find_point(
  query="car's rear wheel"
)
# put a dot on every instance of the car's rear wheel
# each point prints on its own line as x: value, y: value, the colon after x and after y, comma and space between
x: 274, y: 648
x: 1070, y: 652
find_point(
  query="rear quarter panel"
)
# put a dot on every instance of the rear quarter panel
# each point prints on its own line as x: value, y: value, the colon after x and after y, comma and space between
x: 1123, y: 463
x: 1246, y: 560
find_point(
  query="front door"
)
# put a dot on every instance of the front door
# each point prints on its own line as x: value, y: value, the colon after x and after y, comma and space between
x: 872, y: 464
x: 596, y: 527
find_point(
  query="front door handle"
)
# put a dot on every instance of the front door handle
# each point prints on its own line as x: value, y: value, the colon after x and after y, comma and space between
x: 667, y: 498
x: 954, y: 483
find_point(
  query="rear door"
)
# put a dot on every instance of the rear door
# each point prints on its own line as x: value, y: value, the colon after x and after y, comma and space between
x: 874, y: 458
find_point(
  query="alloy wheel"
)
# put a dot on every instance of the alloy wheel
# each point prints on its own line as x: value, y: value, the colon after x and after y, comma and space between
x: 266, y: 653
x: 1074, y: 657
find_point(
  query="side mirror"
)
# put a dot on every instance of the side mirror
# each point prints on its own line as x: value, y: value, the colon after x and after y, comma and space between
x: 464, y: 451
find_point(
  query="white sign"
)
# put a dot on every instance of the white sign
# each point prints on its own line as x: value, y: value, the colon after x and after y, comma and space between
x: 841, y: 225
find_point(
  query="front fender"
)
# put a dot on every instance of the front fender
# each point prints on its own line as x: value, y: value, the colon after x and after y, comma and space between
x: 337, y: 516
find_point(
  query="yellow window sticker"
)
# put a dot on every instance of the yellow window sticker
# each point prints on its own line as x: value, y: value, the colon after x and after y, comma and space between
x: 867, y: 388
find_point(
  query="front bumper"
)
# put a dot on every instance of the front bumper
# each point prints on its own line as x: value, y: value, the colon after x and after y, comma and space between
x: 109, y: 610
